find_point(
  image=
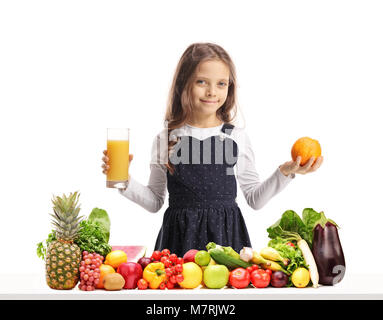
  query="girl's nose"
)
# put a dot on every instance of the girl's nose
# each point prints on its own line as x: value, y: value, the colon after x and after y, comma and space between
x: 210, y: 92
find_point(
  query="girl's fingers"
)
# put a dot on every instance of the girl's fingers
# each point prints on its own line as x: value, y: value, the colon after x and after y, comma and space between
x: 296, y: 164
x: 317, y: 164
x: 105, y: 159
x: 308, y: 165
x: 306, y: 168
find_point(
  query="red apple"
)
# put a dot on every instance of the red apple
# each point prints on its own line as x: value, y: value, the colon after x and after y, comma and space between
x: 131, y: 272
x: 189, y: 255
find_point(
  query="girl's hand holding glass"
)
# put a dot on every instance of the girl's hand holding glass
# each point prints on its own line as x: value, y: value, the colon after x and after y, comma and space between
x: 105, y: 166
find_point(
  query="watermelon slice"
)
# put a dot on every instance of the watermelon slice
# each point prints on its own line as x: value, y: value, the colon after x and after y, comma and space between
x: 134, y: 253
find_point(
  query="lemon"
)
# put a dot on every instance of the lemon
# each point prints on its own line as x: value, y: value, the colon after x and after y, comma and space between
x: 300, y: 277
x: 115, y: 258
x: 192, y: 273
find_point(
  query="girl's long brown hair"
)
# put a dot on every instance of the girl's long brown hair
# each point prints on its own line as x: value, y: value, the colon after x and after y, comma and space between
x: 180, y: 103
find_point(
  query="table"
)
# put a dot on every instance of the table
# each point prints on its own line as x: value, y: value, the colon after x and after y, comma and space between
x: 353, y: 286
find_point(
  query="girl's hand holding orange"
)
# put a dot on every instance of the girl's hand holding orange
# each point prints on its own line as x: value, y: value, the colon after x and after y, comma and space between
x: 291, y: 167
x: 105, y: 159
x: 306, y: 157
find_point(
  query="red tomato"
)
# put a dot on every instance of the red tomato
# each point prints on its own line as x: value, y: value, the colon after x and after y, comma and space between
x: 168, y: 272
x: 260, y: 278
x: 164, y: 259
x: 249, y: 269
x: 179, y: 278
x: 165, y: 252
x: 173, y: 279
x: 239, y: 278
x: 269, y: 272
x: 156, y: 255
x: 178, y: 268
x: 173, y: 258
x: 254, y: 267
x: 142, y: 284
x: 169, y: 285
x: 290, y: 244
x: 167, y: 263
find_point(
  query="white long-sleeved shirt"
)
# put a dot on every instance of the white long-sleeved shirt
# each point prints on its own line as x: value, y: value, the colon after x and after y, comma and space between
x: 257, y: 193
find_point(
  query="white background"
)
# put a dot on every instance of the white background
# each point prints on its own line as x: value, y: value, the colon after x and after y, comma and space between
x: 70, y: 69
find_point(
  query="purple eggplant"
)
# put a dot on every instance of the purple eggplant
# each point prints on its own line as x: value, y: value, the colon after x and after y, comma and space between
x: 327, y: 252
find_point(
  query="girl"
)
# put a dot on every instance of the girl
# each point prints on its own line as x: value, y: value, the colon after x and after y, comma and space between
x: 201, y: 183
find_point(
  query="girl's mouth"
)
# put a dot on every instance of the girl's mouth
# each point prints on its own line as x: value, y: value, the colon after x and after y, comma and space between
x: 208, y: 101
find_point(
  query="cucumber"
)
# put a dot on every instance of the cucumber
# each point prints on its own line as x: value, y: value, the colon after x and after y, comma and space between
x: 229, y: 261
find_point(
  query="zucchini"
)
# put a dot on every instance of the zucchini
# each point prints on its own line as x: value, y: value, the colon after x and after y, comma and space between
x: 220, y: 257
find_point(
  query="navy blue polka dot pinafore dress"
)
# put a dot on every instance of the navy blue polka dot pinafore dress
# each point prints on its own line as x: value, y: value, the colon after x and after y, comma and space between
x: 202, y: 196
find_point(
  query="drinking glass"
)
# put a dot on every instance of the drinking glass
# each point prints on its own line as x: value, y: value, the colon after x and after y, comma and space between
x: 118, y: 154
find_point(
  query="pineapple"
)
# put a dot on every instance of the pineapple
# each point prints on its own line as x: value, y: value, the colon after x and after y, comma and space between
x: 63, y: 255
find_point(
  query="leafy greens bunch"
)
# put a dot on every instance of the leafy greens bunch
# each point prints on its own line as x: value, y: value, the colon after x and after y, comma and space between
x: 292, y: 228
x: 93, y: 235
x: 291, y: 223
x: 294, y: 254
x: 92, y: 238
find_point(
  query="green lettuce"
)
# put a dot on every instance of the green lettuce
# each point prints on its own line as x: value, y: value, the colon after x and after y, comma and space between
x: 290, y: 226
x: 294, y: 254
x: 101, y: 216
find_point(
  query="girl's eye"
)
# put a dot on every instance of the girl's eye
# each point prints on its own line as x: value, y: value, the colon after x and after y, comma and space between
x: 221, y: 84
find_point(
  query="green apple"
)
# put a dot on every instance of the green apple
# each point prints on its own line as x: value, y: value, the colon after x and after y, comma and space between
x: 216, y: 276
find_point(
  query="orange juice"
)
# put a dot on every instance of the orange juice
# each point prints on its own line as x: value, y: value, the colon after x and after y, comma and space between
x: 118, y: 154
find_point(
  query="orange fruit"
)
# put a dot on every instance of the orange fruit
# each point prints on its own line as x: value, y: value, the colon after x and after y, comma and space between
x: 115, y: 258
x: 306, y: 148
x: 104, y: 270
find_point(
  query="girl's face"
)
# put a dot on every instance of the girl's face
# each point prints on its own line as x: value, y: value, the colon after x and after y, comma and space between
x: 210, y: 87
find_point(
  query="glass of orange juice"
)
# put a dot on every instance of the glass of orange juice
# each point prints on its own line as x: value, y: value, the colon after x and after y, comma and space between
x: 118, y: 154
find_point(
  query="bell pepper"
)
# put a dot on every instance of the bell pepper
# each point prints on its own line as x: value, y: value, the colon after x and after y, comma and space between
x: 154, y: 274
